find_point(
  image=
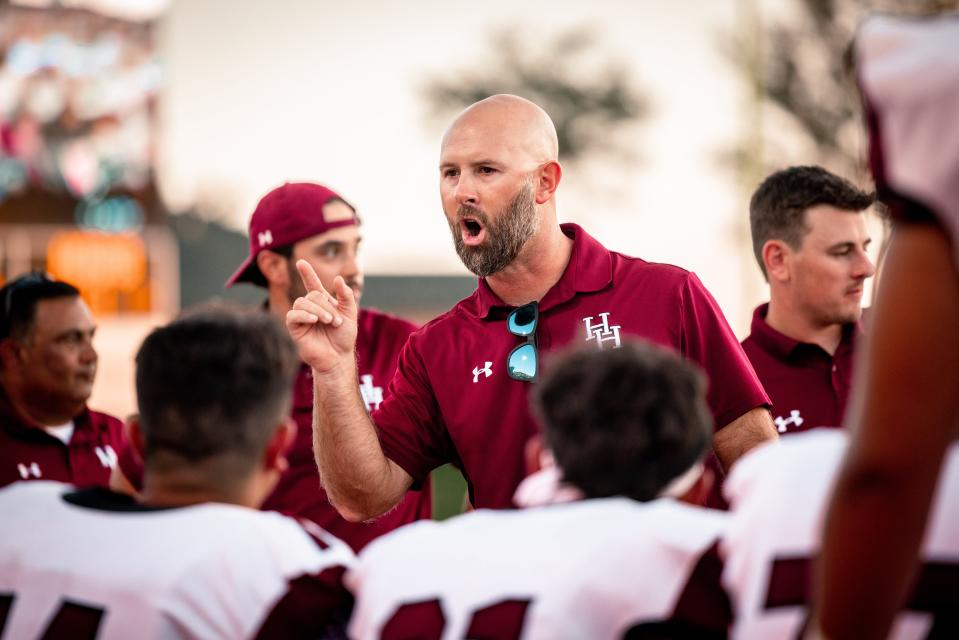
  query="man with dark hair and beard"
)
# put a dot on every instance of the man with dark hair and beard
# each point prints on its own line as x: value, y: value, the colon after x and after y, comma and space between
x: 306, y: 221
x: 461, y: 390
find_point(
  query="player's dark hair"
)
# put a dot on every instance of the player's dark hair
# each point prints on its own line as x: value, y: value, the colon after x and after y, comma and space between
x: 215, y: 382
x: 19, y: 298
x: 777, y: 210
x: 624, y: 422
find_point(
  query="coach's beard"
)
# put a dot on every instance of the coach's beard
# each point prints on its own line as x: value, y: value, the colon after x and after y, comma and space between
x: 505, y: 237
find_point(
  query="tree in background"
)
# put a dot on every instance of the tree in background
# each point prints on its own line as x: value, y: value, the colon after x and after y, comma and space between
x: 804, y: 107
x: 589, y: 96
x: 799, y: 73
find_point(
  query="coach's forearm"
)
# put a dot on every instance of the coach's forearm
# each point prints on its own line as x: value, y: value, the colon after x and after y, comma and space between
x: 749, y: 430
x: 359, y: 479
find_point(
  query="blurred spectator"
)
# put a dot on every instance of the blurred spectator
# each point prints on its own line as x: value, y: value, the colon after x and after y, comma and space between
x: 77, y: 95
x: 47, y: 369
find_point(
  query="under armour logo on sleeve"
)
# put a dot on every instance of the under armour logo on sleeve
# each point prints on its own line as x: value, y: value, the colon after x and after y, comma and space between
x: 372, y: 395
x: 783, y: 423
x: 28, y: 471
x: 487, y: 369
x: 107, y: 456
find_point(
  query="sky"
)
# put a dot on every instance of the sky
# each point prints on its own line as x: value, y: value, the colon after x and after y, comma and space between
x: 260, y: 93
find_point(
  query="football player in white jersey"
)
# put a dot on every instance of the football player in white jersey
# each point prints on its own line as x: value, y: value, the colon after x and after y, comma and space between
x: 605, y: 551
x: 193, y: 558
x: 772, y: 543
x: 905, y: 408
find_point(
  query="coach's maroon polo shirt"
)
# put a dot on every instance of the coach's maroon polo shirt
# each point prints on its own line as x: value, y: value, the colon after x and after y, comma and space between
x: 379, y: 341
x: 27, y: 452
x: 452, y: 400
x: 807, y: 386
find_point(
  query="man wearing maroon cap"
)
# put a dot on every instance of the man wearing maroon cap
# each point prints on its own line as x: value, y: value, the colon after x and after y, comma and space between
x: 47, y: 368
x: 304, y: 221
x: 810, y: 238
x: 461, y: 390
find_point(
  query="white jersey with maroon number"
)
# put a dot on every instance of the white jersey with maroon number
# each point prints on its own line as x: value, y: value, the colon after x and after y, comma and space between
x: 779, y: 494
x: 608, y: 568
x: 93, y: 564
x: 909, y: 73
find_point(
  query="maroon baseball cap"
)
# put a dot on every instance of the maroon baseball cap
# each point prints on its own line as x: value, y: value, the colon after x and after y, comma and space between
x: 288, y: 214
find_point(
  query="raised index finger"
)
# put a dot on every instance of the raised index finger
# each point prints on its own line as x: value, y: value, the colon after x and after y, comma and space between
x: 308, y: 274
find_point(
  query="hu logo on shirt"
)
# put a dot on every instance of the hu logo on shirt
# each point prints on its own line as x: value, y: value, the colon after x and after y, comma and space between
x: 783, y: 423
x: 372, y: 396
x: 107, y: 456
x: 487, y: 370
x: 28, y: 471
x: 602, y: 331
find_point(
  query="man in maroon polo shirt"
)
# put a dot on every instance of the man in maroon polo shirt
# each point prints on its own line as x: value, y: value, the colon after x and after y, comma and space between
x: 47, y: 368
x: 310, y: 222
x: 810, y: 238
x: 461, y: 390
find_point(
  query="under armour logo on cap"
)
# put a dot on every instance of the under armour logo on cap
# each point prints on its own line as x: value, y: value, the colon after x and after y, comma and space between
x: 265, y: 238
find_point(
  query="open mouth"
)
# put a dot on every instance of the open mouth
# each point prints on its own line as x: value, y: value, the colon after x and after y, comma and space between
x: 472, y: 231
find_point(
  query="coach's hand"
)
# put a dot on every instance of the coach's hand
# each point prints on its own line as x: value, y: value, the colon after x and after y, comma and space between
x: 323, y: 326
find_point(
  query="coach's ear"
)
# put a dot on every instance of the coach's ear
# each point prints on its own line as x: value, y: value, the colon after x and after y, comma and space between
x: 274, y: 267
x: 274, y: 457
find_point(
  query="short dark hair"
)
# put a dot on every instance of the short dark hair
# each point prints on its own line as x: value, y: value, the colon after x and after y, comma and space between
x: 624, y: 421
x: 213, y: 384
x: 19, y: 298
x: 777, y: 209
